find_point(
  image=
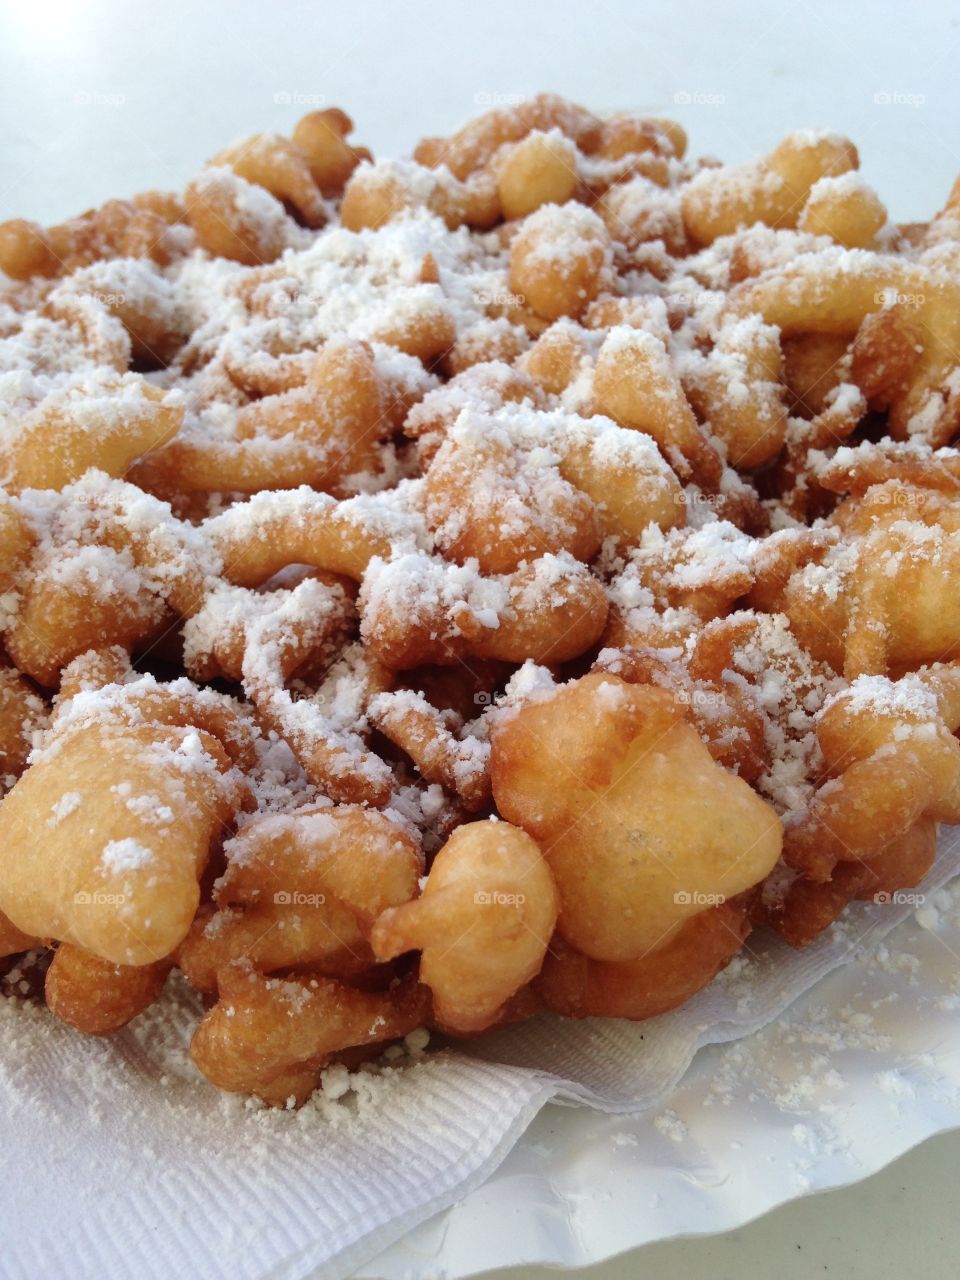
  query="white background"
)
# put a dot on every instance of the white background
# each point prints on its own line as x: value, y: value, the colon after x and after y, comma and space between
x: 102, y: 98
x: 108, y: 97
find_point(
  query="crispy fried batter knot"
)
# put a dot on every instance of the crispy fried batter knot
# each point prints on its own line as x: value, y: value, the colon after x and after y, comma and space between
x: 322, y: 137
x: 482, y: 502
x: 264, y: 639
x: 639, y: 825
x: 672, y: 583
x: 376, y: 194
x: 559, y: 260
x: 844, y: 208
x: 259, y: 538
x: 321, y: 434
x: 902, y: 315
x: 418, y: 609
x: 305, y: 624
x: 737, y: 387
x: 541, y: 169
x: 237, y: 205
x: 580, y: 987
x: 236, y: 219
x: 430, y: 738
x: 773, y: 190
x: 482, y: 925
x: 855, y: 469
x: 804, y: 908
x: 547, y: 150
x: 272, y: 1036
x: 270, y: 635
x: 636, y: 385
x: 507, y: 488
x: 891, y: 761
x: 107, y: 833
x: 96, y: 996
x: 111, y: 566
x: 118, y: 229
x: 718, y: 701
x: 279, y: 166
x: 303, y: 890
x: 64, y: 436
x: 475, y: 145
x: 884, y: 596
x: 327, y: 741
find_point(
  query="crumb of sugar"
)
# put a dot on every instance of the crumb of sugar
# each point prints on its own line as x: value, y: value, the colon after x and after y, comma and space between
x: 670, y: 1125
x: 127, y: 854
x: 68, y: 803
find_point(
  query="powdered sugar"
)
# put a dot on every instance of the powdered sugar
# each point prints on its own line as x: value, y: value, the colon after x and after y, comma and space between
x: 123, y: 855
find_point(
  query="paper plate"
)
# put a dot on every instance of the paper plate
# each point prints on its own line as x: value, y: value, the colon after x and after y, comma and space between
x: 855, y: 1073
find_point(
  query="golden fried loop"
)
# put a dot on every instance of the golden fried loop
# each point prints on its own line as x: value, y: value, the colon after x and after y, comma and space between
x: 644, y: 830
x: 891, y: 760
x: 271, y: 1036
x: 279, y: 166
x: 57, y: 443
x: 322, y: 137
x: 377, y: 194
x: 108, y: 832
x: 97, y: 997
x: 557, y: 260
x: 807, y: 907
x: 118, y: 229
x: 883, y: 596
x: 482, y: 924
x: 322, y: 434
x: 579, y: 987
x: 477, y: 142
x: 635, y: 385
x: 416, y: 610
x: 773, y: 190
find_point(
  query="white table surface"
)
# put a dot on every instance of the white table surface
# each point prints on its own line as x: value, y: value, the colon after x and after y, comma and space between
x: 101, y: 98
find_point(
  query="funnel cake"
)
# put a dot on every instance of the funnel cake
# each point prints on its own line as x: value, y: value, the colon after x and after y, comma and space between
x: 438, y: 590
